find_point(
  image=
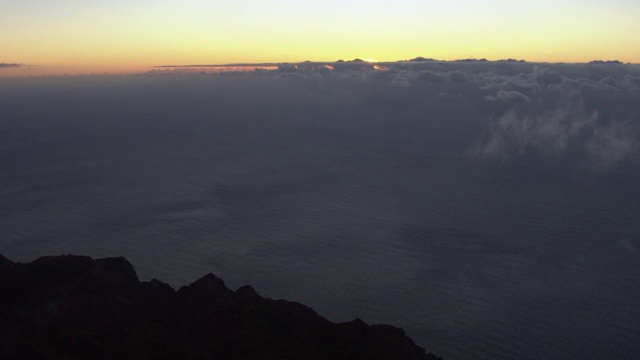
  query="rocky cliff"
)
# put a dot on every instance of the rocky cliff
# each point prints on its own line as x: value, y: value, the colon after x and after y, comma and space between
x: 75, y: 307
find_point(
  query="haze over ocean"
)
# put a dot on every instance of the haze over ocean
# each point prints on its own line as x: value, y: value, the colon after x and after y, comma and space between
x: 489, y: 208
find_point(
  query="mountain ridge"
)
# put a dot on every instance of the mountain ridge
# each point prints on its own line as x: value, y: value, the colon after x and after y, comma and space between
x: 75, y: 307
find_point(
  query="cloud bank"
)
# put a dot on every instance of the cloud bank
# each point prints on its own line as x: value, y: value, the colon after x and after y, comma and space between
x: 584, y: 112
x: 548, y: 110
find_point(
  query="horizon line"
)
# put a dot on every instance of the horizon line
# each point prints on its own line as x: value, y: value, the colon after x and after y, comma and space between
x: 417, y: 59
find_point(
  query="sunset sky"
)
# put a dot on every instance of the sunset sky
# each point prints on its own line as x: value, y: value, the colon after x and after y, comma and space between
x: 84, y: 36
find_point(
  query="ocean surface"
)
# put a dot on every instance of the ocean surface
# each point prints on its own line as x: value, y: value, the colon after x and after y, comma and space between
x: 355, y: 197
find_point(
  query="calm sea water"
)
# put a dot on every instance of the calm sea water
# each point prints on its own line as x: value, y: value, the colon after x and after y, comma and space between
x: 355, y: 198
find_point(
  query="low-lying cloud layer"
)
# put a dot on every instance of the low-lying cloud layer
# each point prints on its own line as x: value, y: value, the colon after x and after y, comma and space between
x: 545, y: 109
x: 548, y: 110
x: 583, y: 111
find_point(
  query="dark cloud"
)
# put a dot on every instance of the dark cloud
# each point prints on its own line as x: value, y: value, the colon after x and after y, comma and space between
x: 430, y: 76
x: 553, y: 110
x: 546, y: 77
x: 10, y: 65
x: 400, y: 80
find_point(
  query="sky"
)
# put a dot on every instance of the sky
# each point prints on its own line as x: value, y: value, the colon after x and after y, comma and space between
x: 85, y: 36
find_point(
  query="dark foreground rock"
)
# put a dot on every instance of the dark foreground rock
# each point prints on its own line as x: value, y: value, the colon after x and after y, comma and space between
x: 74, y: 307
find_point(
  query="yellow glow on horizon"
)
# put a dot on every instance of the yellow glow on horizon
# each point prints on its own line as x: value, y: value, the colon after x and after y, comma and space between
x: 130, y: 36
x: 83, y: 55
x: 137, y: 54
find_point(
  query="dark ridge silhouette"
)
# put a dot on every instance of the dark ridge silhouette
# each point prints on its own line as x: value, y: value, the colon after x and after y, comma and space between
x: 471, y: 60
x: 421, y: 59
x: 510, y: 60
x: 606, y: 62
x: 4, y: 264
x: 75, y: 307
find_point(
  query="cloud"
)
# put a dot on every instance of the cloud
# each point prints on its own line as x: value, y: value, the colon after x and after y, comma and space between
x: 580, y: 112
x: 509, y: 96
x: 530, y: 79
x: 548, y: 133
x: 546, y: 77
x: 10, y: 65
x: 456, y: 77
x: 570, y: 131
x: 430, y: 76
x: 400, y: 80
x: 291, y: 75
x: 613, y: 143
x: 585, y: 111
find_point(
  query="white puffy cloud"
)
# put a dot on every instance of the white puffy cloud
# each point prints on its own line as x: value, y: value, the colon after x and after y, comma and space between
x: 613, y: 143
x: 548, y: 133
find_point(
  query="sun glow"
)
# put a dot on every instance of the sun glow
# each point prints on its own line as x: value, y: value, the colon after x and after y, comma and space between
x: 91, y: 36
